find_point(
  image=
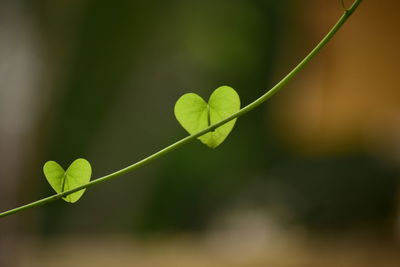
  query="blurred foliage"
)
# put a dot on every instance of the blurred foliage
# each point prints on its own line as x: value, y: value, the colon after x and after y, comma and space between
x: 120, y: 70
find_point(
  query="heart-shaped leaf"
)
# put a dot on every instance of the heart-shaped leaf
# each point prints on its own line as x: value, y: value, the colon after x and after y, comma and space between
x: 77, y: 174
x: 194, y: 114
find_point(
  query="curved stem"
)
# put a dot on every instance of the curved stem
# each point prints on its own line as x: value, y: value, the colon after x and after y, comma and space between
x: 347, y: 13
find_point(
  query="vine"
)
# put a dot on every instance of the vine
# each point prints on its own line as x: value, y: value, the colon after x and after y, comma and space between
x: 208, y: 126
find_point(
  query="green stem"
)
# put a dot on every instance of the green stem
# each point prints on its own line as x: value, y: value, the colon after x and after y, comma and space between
x: 347, y: 13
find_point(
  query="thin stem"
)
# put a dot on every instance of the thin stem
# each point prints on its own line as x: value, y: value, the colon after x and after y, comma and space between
x: 347, y: 13
x: 343, y: 5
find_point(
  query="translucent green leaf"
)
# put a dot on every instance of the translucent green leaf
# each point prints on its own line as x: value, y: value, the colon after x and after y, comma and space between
x: 194, y: 114
x: 77, y: 174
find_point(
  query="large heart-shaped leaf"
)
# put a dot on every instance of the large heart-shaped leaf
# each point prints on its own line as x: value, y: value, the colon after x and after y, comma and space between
x: 194, y: 114
x: 77, y: 174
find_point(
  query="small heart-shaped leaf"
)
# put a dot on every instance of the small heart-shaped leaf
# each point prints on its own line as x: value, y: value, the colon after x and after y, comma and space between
x: 194, y: 114
x: 77, y: 174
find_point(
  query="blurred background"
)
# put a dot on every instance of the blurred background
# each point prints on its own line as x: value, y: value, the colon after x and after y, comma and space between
x: 311, y: 178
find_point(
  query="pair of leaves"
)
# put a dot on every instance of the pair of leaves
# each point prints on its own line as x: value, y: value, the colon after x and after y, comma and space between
x: 77, y: 174
x: 192, y: 112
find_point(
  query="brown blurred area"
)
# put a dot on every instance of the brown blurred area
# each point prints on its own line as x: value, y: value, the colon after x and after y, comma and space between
x: 195, y: 252
x: 309, y: 179
x: 351, y: 94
